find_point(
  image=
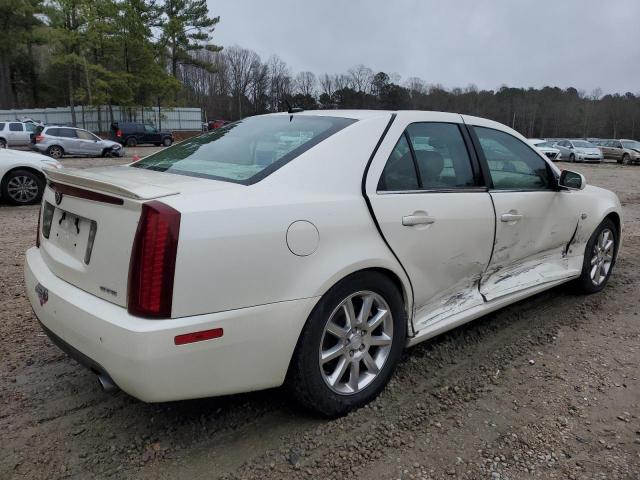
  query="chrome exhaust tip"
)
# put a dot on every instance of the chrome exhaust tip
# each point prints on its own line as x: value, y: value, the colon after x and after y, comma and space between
x: 106, y: 383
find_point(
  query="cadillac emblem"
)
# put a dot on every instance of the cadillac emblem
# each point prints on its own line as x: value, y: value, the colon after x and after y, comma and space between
x: 58, y: 198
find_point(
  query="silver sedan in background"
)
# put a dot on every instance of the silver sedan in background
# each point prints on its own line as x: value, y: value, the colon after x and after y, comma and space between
x: 579, y: 151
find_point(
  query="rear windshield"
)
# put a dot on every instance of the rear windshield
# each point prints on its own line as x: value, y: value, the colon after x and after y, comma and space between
x: 245, y: 151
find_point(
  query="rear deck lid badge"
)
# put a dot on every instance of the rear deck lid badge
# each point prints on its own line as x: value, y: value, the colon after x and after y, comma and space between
x: 43, y: 294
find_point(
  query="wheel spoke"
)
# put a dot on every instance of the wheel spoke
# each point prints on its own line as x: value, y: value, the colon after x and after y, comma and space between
x: 377, y: 319
x: 365, y: 310
x: 370, y: 363
x: 608, y: 246
x: 349, y: 313
x: 380, y: 340
x: 594, y: 260
x: 332, y: 353
x: 337, y: 374
x: 354, y: 375
x: 336, y: 330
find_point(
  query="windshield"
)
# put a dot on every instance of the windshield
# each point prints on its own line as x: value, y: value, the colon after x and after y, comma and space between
x: 245, y: 151
x: 582, y: 144
x: 544, y: 144
x: 633, y: 145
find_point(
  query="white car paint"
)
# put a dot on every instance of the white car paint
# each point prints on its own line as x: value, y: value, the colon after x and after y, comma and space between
x: 551, y: 152
x: 12, y: 160
x: 249, y: 262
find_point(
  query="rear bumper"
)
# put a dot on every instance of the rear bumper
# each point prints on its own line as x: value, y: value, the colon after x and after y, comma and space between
x: 140, y: 355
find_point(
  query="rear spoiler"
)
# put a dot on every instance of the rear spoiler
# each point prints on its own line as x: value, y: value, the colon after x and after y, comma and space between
x: 104, y: 183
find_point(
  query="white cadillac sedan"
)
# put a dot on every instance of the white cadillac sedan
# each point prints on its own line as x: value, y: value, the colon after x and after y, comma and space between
x: 308, y: 249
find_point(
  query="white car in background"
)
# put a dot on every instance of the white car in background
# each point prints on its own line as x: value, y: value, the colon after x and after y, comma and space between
x: 547, y: 148
x: 306, y: 248
x: 22, y: 179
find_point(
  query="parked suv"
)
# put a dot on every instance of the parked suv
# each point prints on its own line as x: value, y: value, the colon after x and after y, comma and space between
x: 624, y: 151
x: 132, y: 134
x: 58, y: 141
x: 16, y: 134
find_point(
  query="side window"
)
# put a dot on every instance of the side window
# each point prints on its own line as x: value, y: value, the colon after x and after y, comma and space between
x: 441, y: 156
x: 67, y: 133
x: 16, y: 127
x: 512, y: 164
x: 52, y: 131
x: 149, y: 129
x: 436, y: 159
x: 85, y: 135
x: 1, y: 126
x: 400, y: 172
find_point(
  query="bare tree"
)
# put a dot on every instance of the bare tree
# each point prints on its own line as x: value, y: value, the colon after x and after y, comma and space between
x: 326, y: 84
x: 361, y: 78
x: 306, y: 83
x: 241, y: 63
x: 279, y: 81
x: 341, y: 81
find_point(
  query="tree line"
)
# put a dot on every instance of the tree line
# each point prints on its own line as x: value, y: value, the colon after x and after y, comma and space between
x: 160, y: 52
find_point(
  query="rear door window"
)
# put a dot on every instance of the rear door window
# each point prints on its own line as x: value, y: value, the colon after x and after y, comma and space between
x: 67, y: 133
x: 2, y: 125
x: 16, y: 127
x: 428, y: 156
x: 245, y: 151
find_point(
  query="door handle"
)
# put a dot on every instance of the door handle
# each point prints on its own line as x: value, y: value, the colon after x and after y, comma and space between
x: 512, y: 216
x: 417, y: 219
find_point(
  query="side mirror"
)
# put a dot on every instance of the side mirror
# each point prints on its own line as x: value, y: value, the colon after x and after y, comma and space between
x: 572, y: 180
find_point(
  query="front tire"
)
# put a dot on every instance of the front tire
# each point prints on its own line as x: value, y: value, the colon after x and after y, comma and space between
x: 572, y: 158
x: 22, y: 187
x: 350, y: 345
x: 626, y: 159
x: 599, y: 258
x: 167, y: 142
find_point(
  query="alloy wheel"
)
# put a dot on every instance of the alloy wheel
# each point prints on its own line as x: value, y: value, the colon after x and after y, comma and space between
x: 602, y: 257
x: 55, y: 152
x: 356, y: 342
x: 22, y: 189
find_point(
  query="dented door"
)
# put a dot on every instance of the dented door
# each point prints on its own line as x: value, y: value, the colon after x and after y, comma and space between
x: 533, y: 230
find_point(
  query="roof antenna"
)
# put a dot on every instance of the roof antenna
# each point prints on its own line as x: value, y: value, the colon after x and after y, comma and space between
x: 291, y: 109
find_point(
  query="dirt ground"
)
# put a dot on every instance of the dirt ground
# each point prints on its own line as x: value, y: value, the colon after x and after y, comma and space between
x: 547, y: 388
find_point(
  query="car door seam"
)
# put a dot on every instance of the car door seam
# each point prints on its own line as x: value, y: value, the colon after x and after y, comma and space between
x: 373, y: 216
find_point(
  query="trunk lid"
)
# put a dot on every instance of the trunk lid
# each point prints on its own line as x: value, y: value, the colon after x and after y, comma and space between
x: 90, y: 217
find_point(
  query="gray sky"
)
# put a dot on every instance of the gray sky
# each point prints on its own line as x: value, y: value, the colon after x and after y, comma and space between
x: 522, y: 43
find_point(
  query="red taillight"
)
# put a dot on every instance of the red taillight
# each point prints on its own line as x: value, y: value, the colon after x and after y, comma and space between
x: 119, y: 133
x: 153, y: 261
x: 39, y: 138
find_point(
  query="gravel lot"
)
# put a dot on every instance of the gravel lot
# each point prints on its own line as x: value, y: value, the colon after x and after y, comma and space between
x: 547, y: 388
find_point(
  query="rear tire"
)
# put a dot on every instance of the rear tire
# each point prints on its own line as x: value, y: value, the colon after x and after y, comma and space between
x: 361, y: 354
x: 599, y: 258
x: 3, y: 143
x: 22, y: 187
x: 131, y: 142
x: 55, y: 151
